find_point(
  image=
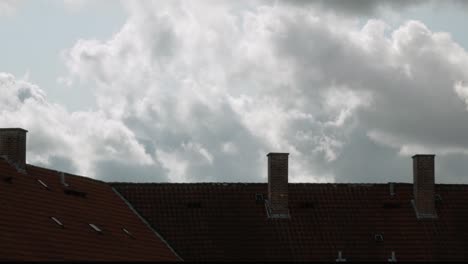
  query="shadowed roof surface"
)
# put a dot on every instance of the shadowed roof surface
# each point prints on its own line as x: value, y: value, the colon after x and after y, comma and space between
x: 27, y: 231
x: 216, y: 221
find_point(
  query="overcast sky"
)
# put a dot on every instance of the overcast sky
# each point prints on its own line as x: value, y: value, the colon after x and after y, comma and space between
x: 201, y: 91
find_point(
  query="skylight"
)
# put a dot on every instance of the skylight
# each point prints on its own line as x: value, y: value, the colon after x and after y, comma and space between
x: 378, y: 237
x: 56, y: 221
x: 127, y: 232
x: 96, y: 228
x: 259, y: 198
x: 43, y: 184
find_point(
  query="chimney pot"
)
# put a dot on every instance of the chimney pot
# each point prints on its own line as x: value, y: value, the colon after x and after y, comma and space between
x: 13, y: 146
x: 424, y: 185
x: 278, y: 185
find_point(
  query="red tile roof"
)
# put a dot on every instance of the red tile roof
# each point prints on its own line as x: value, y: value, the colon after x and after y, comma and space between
x: 224, y: 222
x: 27, y: 231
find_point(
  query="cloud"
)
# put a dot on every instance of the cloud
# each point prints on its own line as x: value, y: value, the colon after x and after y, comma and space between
x: 71, y: 141
x: 358, y: 7
x: 372, y: 8
x: 77, y: 5
x: 187, y: 100
x: 201, y: 92
x: 8, y: 7
x: 187, y: 79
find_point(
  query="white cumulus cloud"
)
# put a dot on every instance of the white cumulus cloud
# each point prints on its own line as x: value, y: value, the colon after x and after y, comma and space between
x: 202, y: 91
x: 73, y: 141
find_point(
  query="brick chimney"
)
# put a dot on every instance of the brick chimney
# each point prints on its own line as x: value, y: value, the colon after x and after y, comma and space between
x: 277, y: 205
x: 13, y: 145
x: 423, y: 186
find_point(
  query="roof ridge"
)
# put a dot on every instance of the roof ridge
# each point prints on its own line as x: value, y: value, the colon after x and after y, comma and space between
x: 263, y: 183
x: 67, y: 174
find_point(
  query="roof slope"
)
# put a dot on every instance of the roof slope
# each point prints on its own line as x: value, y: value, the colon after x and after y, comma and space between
x: 225, y: 222
x: 28, y: 232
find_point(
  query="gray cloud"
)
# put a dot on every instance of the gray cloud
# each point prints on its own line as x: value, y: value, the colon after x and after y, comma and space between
x: 287, y: 79
x: 60, y: 163
x: 363, y: 160
x: 114, y: 171
x: 8, y: 7
x: 372, y: 8
x: 201, y: 92
x: 359, y: 7
x: 71, y: 141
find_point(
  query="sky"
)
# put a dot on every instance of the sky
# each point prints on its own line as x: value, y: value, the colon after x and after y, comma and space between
x: 201, y: 91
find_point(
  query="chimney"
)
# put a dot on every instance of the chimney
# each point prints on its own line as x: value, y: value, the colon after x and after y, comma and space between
x: 13, y: 146
x: 423, y: 186
x: 277, y: 205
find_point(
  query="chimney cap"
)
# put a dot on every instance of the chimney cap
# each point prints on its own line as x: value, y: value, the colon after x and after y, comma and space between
x: 423, y: 155
x: 13, y: 129
x: 277, y: 154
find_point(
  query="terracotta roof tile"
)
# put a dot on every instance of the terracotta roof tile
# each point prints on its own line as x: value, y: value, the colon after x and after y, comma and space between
x: 224, y: 222
x: 28, y: 232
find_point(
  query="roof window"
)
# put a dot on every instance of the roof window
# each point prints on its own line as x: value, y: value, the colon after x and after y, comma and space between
x: 127, y: 232
x: 259, y: 198
x: 378, y: 237
x: 43, y: 184
x: 96, y: 228
x: 57, y: 221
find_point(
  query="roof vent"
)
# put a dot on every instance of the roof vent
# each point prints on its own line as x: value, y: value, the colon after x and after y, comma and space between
x: 393, y: 257
x: 378, y: 237
x: 392, y: 188
x: 57, y: 221
x: 96, y: 228
x: 62, y: 179
x: 340, y: 257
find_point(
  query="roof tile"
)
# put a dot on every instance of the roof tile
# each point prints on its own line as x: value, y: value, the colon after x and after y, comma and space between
x: 231, y: 225
x: 28, y: 232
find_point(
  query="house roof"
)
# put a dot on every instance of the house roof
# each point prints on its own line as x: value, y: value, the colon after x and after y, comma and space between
x: 28, y: 232
x: 209, y: 221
